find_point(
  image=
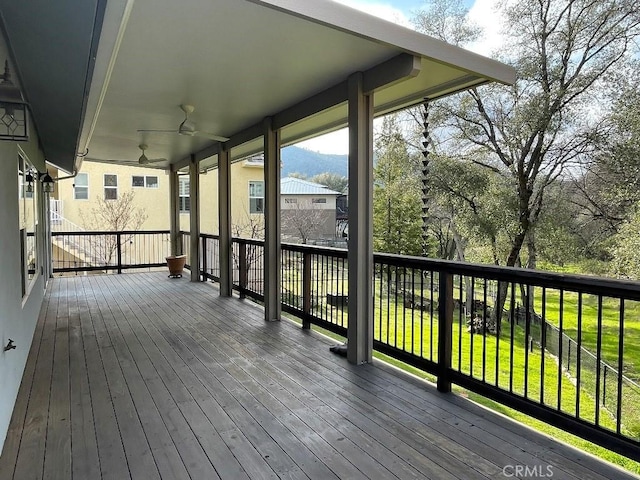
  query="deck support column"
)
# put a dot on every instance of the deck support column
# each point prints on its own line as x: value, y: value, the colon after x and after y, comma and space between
x: 360, y: 242
x: 194, y: 218
x: 272, y: 256
x: 224, y: 221
x: 174, y: 213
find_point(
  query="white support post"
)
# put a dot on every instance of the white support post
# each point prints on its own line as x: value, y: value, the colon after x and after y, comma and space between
x: 174, y: 213
x: 360, y: 243
x: 224, y: 222
x: 272, y: 256
x: 194, y: 217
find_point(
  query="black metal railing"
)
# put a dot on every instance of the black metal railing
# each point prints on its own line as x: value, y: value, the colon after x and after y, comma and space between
x: 562, y: 348
x: 109, y: 251
x: 502, y: 332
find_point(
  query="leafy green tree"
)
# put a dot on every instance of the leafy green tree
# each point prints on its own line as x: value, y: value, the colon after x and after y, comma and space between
x: 396, y: 194
x: 333, y: 181
x: 532, y: 133
x: 626, y: 248
x: 608, y: 190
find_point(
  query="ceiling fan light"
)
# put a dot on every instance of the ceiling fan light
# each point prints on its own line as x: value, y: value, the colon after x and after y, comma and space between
x: 143, y: 159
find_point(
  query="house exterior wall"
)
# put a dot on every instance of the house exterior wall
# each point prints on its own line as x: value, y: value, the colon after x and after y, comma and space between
x: 155, y: 201
x: 18, y: 312
x: 314, y: 214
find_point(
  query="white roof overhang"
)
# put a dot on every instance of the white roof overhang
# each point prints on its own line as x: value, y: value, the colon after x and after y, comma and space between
x: 127, y: 65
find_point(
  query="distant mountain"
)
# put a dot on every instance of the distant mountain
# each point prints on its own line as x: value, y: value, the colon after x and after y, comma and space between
x: 300, y: 160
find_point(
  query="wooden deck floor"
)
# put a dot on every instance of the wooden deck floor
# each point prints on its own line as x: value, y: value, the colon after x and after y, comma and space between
x: 140, y: 376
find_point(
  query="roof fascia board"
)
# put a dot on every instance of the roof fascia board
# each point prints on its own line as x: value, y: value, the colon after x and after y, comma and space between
x: 349, y: 20
x: 116, y: 16
x: 98, y: 22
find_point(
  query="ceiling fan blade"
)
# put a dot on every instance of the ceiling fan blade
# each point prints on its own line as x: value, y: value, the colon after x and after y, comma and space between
x: 157, y: 160
x: 156, y: 131
x: 212, y: 136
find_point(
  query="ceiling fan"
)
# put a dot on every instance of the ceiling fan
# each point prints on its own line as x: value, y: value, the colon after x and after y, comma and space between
x: 188, y: 127
x: 143, y: 160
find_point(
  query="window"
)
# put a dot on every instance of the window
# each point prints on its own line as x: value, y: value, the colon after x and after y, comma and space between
x: 110, y: 187
x: 256, y: 197
x: 184, y: 201
x: 27, y: 222
x: 81, y: 187
x: 151, y: 182
x: 318, y: 200
x: 144, y: 181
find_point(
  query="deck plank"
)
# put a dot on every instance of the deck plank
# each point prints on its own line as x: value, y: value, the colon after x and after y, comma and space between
x: 139, y: 376
x: 30, y: 457
x: 112, y: 457
x: 84, y: 446
x: 57, y: 459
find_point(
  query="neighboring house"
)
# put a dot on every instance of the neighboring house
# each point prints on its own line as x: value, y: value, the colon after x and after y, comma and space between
x: 308, y: 210
x: 75, y: 198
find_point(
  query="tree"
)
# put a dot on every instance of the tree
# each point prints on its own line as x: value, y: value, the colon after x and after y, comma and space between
x: 396, y: 194
x: 117, y: 215
x: 332, y: 181
x: 303, y: 220
x: 608, y: 189
x: 533, y: 132
x: 626, y: 248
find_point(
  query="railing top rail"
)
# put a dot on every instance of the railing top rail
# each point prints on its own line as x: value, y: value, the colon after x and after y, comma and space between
x: 578, y: 283
x: 607, y: 287
x: 314, y: 249
x: 113, y: 232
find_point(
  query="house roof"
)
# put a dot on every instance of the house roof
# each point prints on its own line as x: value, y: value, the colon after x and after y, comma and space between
x: 97, y: 72
x: 297, y: 186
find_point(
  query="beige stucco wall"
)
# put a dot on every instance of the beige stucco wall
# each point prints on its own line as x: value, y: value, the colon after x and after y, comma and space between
x: 155, y: 201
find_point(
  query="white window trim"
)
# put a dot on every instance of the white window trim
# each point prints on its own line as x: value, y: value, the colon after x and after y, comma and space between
x: 105, y: 187
x: 183, y: 180
x: 157, y: 185
x: 81, y: 186
x: 252, y: 197
x: 144, y: 181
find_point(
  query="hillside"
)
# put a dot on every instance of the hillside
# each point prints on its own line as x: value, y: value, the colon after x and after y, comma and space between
x: 308, y: 163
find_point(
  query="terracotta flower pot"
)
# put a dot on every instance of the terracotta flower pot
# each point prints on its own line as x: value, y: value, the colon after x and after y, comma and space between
x: 176, y: 264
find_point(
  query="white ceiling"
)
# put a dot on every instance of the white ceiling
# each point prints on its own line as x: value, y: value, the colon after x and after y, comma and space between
x: 236, y: 61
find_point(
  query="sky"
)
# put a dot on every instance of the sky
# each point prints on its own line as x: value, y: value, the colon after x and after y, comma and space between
x: 401, y: 12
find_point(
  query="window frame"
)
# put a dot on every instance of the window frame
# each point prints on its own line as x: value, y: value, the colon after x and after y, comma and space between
x: 106, y: 187
x: 145, y: 181
x: 258, y: 200
x: 76, y: 186
x: 184, y: 192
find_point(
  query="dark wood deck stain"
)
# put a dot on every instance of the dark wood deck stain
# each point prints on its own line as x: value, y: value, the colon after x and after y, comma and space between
x: 140, y: 376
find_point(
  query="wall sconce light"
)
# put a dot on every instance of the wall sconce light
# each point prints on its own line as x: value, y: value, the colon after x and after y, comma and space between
x: 28, y: 178
x: 47, y: 182
x: 13, y: 109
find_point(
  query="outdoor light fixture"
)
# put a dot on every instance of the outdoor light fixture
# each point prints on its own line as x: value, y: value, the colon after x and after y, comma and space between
x: 29, y: 179
x: 13, y: 109
x: 47, y: 182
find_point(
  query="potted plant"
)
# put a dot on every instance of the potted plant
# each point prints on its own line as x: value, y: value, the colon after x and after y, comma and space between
x: 176, y: 264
